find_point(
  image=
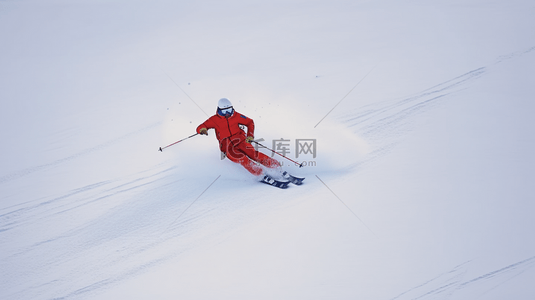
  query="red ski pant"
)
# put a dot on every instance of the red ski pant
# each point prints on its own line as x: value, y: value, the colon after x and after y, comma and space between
x: 239, y: 151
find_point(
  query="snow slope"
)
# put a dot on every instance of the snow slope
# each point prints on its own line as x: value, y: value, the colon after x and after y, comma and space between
x: 421, y: 187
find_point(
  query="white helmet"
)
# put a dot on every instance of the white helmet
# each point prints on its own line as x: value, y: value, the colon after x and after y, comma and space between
x: 224, y: 103
x: 224, y: 107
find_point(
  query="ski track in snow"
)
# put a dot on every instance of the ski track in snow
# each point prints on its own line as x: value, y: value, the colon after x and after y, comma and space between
x: 90, y: 150
x: 384, y: 124
x: 61, y: 252
x: 54, y: 249
x: 71, y: 254
x: 449, y: 283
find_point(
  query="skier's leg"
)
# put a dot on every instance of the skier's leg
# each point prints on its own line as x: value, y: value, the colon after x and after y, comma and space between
x: 257, y: 156
x: 234, y: 154
x: 267, y: 161
x: 249, y: 165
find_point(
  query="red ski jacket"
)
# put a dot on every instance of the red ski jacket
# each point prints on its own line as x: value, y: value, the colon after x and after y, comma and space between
x: 229, y: 127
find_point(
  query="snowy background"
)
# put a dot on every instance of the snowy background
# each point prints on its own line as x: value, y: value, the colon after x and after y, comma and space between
x: 422, y: 186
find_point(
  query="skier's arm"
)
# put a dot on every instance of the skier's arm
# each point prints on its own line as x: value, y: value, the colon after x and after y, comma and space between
x: 249, y: 123
x: 203, y: 128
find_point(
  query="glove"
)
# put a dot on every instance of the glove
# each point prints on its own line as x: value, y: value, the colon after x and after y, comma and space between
x: 249, y: 139
x: 203, y: 131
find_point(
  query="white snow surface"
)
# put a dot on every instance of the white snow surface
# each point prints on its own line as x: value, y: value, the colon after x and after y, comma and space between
x: 422, y: 186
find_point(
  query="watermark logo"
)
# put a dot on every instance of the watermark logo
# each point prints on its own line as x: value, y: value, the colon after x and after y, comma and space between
x: 304, y: 150
x: 281, y: 146
x: 305, y: 146
x: 302, y: 147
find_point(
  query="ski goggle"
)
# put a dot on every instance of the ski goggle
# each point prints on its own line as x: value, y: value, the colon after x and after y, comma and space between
x: 225, y: 111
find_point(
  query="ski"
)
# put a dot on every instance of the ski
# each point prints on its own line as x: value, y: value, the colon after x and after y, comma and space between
x: 293, y: 179
x: 277, y: 183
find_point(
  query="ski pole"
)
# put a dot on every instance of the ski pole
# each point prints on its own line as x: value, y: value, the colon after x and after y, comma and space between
x: 299, y: 164
x: 161, y: 148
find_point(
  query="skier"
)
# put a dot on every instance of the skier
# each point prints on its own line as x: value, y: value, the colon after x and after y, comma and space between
x: 233, y: 141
